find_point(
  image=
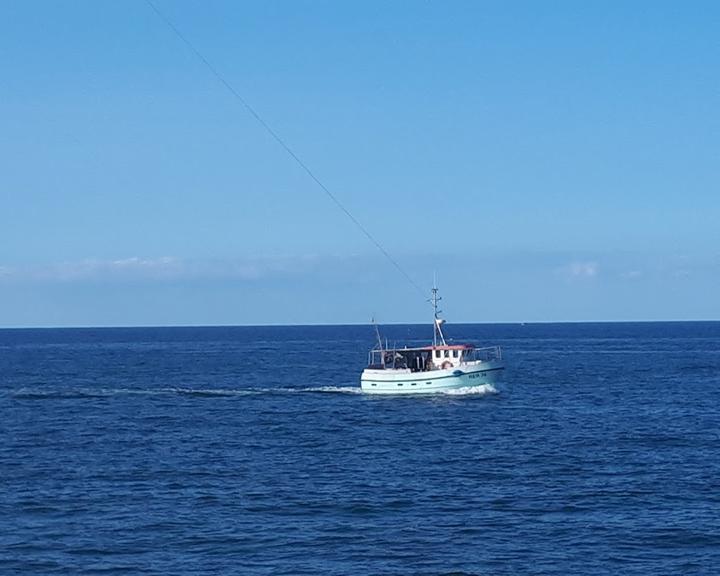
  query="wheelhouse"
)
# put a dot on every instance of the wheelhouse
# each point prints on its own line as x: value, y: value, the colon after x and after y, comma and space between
x: 428, y: 358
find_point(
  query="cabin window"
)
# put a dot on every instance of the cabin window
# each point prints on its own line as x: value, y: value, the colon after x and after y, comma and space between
x: 399, y: 384
x: 447, y: 353
x: 437, y: 353
x: 455, y: 353
x: 373, y: 384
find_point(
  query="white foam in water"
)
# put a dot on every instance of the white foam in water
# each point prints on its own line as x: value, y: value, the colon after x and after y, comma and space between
x: 39, y: 393
x: 273, y: 390
x: 335, y: 389
x: 330, y: 389
x: 472, y: 390
x: 87, y: 392
x: 211, y: 391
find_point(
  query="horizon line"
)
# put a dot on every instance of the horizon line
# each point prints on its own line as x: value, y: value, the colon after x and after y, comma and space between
x: 349, y: 324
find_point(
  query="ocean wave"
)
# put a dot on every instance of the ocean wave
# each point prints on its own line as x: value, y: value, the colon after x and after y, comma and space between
x: 91, y: 393
x: 322, y: 389
x: 209, y: 392
x: 41, y: 393
x: 481, y: 390
x: 46, y: 393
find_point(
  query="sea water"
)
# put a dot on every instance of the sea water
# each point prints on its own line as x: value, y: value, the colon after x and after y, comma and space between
x: 251, y: 451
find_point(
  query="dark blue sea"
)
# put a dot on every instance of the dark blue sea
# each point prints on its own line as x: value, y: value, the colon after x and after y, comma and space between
x: 250, y: 451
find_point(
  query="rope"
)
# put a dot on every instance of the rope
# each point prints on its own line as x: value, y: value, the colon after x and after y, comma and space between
x: 283, y: 144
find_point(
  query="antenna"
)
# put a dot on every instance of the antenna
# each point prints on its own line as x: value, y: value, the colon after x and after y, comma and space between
x: 377, y: 333
x: 380, y: 344
x: 437, y: 321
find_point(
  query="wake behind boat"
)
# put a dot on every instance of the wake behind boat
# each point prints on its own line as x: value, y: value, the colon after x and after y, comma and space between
x: 433, y: 368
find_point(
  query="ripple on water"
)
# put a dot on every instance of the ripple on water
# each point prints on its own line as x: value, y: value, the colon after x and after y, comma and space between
x: 160, y: 451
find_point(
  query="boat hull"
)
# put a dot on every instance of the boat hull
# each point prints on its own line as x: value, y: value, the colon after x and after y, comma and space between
x: 407, y: 382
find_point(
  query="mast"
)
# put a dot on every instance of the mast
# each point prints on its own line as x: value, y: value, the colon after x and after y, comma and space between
x: 437, y: 321
x: 380, y: 344
x: 377, y: 333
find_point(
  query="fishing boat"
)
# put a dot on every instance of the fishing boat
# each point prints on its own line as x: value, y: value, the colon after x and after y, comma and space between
x: 433, y: 368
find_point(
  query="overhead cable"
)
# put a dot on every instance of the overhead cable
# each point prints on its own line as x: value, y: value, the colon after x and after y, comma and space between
x: 215, y: 72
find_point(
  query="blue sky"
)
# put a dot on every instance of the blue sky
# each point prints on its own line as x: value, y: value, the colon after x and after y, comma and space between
x: 554, y: 161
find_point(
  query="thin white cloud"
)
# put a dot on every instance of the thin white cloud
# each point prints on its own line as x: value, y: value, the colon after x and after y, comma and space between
x: 583, y: 269
x: 162, y: 268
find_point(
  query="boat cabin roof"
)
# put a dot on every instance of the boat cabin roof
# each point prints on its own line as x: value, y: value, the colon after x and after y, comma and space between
x: 429, y: 348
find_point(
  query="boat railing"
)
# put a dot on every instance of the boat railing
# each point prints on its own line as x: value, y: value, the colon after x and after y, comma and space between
x: 397, y: 357
x: 483, y: 354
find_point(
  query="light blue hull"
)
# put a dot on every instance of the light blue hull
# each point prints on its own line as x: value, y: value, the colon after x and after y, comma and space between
x: 407, y: 382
